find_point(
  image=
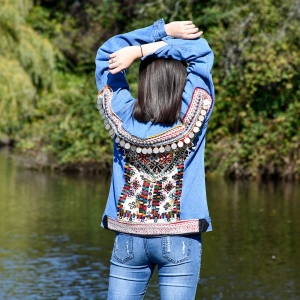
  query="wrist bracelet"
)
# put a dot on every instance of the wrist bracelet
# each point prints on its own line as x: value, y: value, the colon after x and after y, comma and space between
x: 141, y: 50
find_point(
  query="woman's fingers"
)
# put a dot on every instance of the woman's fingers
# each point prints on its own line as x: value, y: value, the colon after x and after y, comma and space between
x: 191, y: 31
x: 112, y: 58
x: 114, y: 68
x: 123, y: 58
x: 183, y: 29
x: 192, y: 36
x: 112, y: 55
x: 113, y: 65
x: 190, y: 26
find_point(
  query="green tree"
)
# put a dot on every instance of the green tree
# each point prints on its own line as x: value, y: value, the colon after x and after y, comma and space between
x: 48, y: 93
x: 26, y: 66
x: 49, y: 112
x: 254, y: 129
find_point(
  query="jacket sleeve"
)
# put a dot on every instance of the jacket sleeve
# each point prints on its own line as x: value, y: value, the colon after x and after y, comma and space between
x: 199, y: 57
x: 142, y: 36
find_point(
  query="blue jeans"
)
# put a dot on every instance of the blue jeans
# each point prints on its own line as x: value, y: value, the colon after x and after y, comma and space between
x: 134, y: 259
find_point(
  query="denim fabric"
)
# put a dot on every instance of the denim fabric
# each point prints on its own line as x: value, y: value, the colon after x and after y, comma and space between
x: 134, y: 259
x: 200, y: 59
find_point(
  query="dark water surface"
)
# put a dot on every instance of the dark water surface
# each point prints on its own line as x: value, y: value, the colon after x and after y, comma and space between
x: 51, y: 245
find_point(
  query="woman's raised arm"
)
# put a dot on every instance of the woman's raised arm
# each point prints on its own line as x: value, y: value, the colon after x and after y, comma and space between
x: 119, y: 52
x: 123, y: 58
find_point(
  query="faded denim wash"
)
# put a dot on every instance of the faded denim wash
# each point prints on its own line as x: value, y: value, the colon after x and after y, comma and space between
x: 134, y: 259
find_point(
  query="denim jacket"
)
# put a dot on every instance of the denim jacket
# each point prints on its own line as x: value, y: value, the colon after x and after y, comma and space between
x: 158, y: 179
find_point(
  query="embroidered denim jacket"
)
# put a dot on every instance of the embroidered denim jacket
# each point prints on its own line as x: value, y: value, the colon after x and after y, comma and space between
x: 158, y: 180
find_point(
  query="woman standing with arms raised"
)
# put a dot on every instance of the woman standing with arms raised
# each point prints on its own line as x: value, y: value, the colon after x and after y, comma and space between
x: 157, y: 201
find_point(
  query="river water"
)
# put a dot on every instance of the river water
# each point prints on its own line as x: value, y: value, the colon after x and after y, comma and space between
x: 51, y: 245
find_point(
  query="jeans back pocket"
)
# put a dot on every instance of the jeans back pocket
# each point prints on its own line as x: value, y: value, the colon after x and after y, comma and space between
x: 176, y: 249
x: 123, y: 248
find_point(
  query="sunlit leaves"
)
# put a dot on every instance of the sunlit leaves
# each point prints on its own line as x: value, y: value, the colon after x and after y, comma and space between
x: 26, y: 66
x: 254, y: 129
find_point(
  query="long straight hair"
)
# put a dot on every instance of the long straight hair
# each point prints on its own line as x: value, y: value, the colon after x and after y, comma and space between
x: 160, y: 88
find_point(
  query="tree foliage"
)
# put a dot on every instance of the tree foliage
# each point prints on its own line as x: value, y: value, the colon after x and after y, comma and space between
x: 26, y: 66
x: 257, y: 109
x: 47, y: 84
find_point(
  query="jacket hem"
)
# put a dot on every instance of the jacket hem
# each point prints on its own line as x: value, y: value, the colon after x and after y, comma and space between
x: 172, y: 228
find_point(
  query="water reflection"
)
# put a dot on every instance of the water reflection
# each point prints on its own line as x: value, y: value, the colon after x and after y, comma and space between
x: 253, y: 252
x: 51, y: 245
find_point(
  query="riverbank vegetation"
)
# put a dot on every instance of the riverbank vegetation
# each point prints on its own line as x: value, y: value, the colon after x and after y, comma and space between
x: 47, y: 89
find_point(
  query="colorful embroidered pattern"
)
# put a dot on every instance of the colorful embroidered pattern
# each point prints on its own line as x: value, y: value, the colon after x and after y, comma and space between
x: 154, y: 167
x: 148, y: 199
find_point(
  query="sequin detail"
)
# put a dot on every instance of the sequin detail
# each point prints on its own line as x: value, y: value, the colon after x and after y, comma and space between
x: 177, y: 137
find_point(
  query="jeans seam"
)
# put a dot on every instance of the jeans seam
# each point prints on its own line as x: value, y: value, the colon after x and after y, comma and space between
x: 146, y: 249
x: 148, y: 256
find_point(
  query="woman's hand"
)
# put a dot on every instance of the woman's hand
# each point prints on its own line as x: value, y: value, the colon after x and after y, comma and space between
x: 183, y: 30
x: 123, y: 58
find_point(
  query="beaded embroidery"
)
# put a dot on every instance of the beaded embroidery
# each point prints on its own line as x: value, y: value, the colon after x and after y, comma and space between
x: 154, y: 166
x: 167, y: 141
x: 145, y: 199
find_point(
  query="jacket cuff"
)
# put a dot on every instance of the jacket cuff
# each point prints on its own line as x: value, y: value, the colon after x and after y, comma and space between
x: 159, y: 30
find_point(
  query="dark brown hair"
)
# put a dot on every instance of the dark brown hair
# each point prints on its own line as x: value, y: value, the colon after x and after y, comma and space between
x: 161, y: 84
